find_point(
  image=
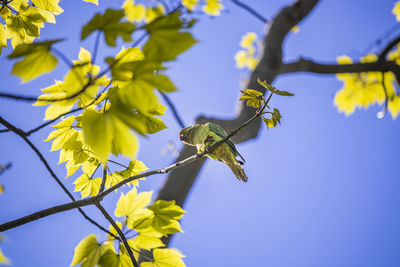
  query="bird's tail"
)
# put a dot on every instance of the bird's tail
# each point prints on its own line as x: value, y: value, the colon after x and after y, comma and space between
x: 237, y: 169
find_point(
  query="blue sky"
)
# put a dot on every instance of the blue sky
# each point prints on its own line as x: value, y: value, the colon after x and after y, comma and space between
x: 322, y: 190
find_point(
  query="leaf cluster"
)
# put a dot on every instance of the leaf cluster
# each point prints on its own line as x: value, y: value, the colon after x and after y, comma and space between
x: 257, y: 100
x: 145, y: 223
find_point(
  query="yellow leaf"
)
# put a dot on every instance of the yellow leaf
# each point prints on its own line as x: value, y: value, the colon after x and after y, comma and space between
x: 394, y: 107
x: 4, y: 259
x: 96, y: 2
x: 165, y: 257
x: 295, y: 29
x: 3, y: 38
x: 248, y: 40
x: 241, y: 59
x: 48, y: 5
x: 134, y: 13
x: 89, y: 251
x: 190, y: 4
x: 62, y: 134
x: 148, y: 238
x: 396, y: 10
x: 132, y: 205
x: 87, y: 186
x: 213, y: 7
x: 154, y: 12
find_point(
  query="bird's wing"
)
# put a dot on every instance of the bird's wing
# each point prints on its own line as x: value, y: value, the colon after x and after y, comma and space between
x: 221, y: 133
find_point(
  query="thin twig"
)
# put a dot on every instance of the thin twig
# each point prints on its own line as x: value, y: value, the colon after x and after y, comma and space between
x: 51, y: 121
x: 250, y: 10
x: 121, y: 235
x: 99, y: 197
x: 103, y: 181
x: 173, y: 109
x: 386, y: 50
x: 96, y: 47
x: 20, y: 133
x: 117, y: 163
x: 3, y: 168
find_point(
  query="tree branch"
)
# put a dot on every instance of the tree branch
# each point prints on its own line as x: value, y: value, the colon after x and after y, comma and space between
x: 386, y: 50
x: 121, y: 235
x: 173, y: 109
x: 96, y: 199
x: 180, y: 181
x: 47, y: 212
x: 306, y: 65
x: 250, y: 10
x: 21, y: 133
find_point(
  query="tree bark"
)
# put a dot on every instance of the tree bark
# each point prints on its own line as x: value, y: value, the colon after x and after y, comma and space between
x: 180, y: 181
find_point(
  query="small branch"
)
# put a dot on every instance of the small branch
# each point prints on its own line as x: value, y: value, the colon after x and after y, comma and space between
x: 386, y: 50
x: 44, y: 213
x: 96, y: 47
x: 305, y: 65
x: 5, y: 167
x: 103, y: 181
x: 63, y: 57
x: 250, y: 10
x: 4, y: 130
x: 18, y: 97
x: 51, y: 121
x: 117, y: 163
x: 121, y: 235
x: 173, y: 109
x: 99, y: 197
x: 20, y: 133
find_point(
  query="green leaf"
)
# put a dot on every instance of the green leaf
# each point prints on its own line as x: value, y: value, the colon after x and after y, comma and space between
x: 166, y: 41
x: 269, y: 122
x: 3, y: 38
x: 3, y: 259
x: 89, y: 251
x: 273, y: 89
x: 166, y: 214
x: 24, y: 24
x: 62, y: 134
x: 37, y: 60
x: 106, y: 133
x: 110, y: 24
x: 165, y: 257
x: 132, y: 206
x: 110, y: 259
x: 148, y: 238
x: 254, y: 98
x: 48, y: 5
x: 87, y: 186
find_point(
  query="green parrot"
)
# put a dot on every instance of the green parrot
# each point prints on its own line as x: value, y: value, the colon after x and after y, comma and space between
x: 204, y: 135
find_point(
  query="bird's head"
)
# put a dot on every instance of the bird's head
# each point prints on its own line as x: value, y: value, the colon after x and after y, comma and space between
x: 183, y: 134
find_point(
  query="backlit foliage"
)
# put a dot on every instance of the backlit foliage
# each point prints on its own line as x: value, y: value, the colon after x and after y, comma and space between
x: 144, y: 224
x: 111, y: 107
x: 247, y: 56
x: 256, y: 99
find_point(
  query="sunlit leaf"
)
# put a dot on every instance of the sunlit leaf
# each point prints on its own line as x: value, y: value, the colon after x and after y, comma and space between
x: 48, y: 5
x: 132, y: 206
x: 87, y: 186
x: 89, y: 251
x: 110, y: 24
x: 166, y: 41
x: 213, y: 7
x: 37, y: 60
x: 165, y: 257
x: 111, y: 259
x: 148, y: 238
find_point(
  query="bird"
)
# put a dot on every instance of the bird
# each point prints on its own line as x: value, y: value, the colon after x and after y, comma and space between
x: 204, y: 135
